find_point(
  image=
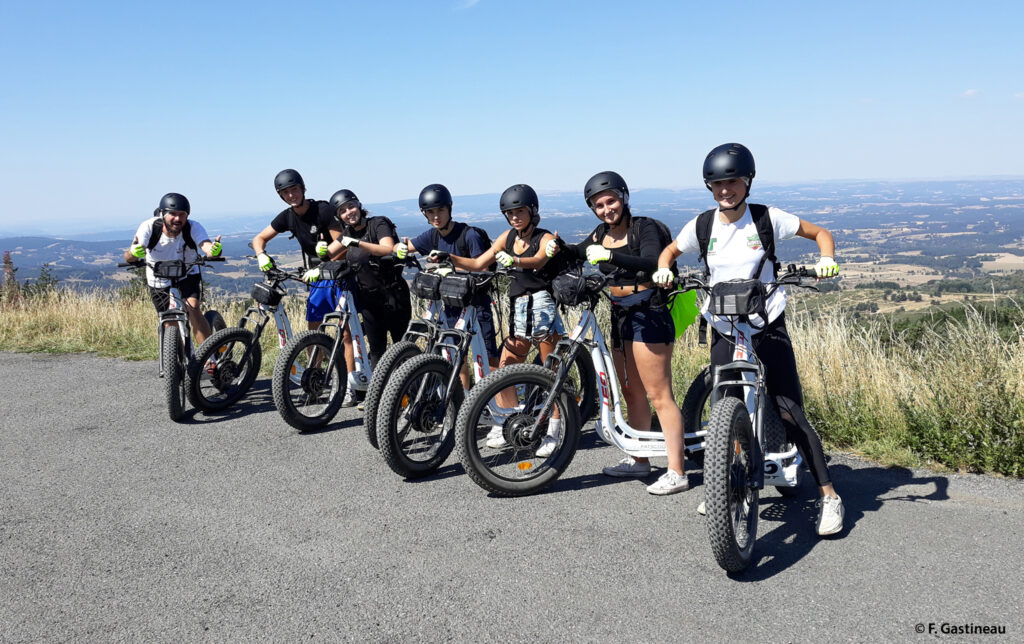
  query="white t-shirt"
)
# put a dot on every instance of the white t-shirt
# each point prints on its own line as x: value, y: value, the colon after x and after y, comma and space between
x: 169, y: 248
x: 734, y: 252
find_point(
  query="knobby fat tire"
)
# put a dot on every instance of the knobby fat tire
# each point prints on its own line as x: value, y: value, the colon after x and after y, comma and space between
x: 406, y: 382
x: 172, y: 358
x: 213, y: 348
x: 468, y: 445
x: 394, y: 357
x: 280, y: 383
x: 729, y: 431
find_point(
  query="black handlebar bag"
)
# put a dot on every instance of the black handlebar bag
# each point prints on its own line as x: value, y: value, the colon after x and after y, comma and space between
x: 267, y: 294
x: 739, y: 298
x: 457, y: 289
x: 173, y: 269
x: 427, y: 286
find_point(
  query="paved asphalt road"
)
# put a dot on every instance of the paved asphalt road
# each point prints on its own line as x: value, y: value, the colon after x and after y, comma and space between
x: 117, y: 524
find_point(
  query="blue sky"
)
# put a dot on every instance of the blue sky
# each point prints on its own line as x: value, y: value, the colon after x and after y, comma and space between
x: 105, y: 106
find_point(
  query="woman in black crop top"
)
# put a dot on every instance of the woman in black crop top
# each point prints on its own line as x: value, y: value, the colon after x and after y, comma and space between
x: 535, y: 318
x: 626, y: 248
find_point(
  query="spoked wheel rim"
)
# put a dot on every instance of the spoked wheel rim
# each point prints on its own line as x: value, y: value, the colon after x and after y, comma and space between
x: 509, y: 402
x: 742, y: 504
x: 421, y: 428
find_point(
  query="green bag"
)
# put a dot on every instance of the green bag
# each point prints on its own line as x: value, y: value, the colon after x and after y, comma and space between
x: 684, y: 311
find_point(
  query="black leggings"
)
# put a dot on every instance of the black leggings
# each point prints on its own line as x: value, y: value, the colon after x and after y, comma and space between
x: 379, y: 320
x: 775, y: 350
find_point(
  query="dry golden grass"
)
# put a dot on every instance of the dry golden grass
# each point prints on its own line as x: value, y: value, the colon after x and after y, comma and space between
x: 955, y: 398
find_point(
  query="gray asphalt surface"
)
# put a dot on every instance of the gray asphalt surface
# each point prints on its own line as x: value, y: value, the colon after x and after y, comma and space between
x: 117, y: 524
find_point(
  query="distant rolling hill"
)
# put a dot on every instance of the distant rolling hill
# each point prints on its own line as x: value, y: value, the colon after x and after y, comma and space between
x: 945, y: 224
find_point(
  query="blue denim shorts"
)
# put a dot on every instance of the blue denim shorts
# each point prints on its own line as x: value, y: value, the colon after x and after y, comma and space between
x: 636, y: 319
x: 536, y: 316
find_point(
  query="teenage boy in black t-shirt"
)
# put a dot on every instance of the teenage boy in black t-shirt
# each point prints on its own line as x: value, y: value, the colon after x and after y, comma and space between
x: 318, y: 232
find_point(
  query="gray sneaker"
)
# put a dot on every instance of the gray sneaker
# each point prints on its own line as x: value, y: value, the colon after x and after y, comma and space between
x: 628, y: 468
x: 830, y: 518
x: 669, y: 483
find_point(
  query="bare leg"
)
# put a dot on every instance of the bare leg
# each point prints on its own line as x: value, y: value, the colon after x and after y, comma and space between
x: 654, y: 361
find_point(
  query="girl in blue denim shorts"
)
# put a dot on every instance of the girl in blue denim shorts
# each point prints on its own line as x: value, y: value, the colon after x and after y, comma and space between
x: 535, y: 319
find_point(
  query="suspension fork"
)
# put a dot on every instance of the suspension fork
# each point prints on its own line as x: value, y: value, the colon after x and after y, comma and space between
x: 561, y: 366
x: 339, y: 321
x: 258, y: 327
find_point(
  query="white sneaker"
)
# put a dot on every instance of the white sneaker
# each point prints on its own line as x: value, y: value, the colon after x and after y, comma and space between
x: 547, y: 447
x: 628, y: 467
x: 669, y: 483
x: 702, y: 509
x: 830, y: 519
x: 550, y: 441
x: 350, y: 398
x: 496, y: 437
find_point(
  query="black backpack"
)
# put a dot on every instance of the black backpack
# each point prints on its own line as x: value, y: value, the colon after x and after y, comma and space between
x: 461, y: 244
x: 158, y: 229
x: 765, y: 232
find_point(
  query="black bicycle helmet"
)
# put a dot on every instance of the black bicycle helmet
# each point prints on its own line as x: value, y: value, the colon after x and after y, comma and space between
x: 607, y: 180
x: 287, y: 179
x: 342, y: 197
x: 174, y: 201
x: 519, y: 196
x: 728, y: 161
x: 434, y: 196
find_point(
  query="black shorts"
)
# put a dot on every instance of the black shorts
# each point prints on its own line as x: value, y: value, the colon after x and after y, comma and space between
x: 189, y: 287
x: 636, y: 319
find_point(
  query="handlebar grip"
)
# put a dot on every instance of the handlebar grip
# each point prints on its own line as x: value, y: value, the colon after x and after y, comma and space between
x: 130, y: 264
x: 218, y: 258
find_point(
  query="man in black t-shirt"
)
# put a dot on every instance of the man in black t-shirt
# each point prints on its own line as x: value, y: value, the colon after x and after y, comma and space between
x: 318, y: 232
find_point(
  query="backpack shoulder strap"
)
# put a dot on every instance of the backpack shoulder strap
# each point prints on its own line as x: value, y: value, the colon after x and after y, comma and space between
x: 765, y: 232
x: 154, y: 235
x: 186, y: 230
x: 633, y: 236
x: 510, y: 241
x: 461, y: 244
x: 158, y: 229
x: 705, y: 221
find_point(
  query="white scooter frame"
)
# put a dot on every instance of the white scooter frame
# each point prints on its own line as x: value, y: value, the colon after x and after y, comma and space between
x: 752, y: 380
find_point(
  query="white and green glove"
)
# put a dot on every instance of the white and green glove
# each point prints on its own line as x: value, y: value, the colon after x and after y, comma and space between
x: 321, y: 248
x: 137, y: 250
x: 504, y: 259
x: 598, y: 253
x: 350, y: 241
x: 551, y: 248
x: 401, y: 250
x: 312, y: 275
x: 265, y: 262
x: 216, y: 247
x: 663, y: 277
x: 826, y: 267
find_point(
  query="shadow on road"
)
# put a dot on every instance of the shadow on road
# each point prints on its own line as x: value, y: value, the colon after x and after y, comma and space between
x: 793, y: 534
x: 259, y: 400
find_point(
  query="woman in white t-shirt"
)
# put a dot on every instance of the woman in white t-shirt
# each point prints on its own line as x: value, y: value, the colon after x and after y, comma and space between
x: 735, y: 251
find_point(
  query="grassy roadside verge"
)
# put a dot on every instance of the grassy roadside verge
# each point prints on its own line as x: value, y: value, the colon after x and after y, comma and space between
x: 951, y: 398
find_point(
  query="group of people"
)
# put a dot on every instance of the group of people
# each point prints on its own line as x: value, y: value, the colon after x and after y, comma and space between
x: 636, y: 253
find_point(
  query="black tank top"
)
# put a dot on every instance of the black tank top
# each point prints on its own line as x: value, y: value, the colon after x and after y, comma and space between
x: 526, y: 281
